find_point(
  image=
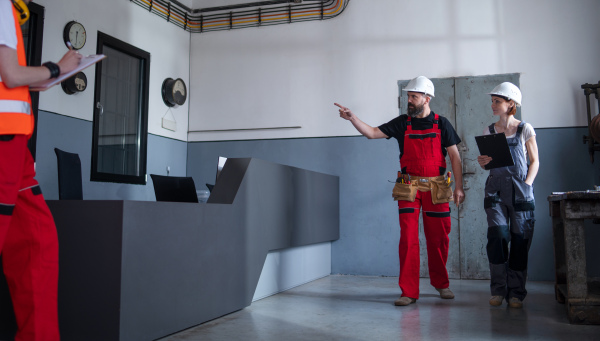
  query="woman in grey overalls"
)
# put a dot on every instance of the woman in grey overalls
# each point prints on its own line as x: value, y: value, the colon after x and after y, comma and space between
x: 509, y: 201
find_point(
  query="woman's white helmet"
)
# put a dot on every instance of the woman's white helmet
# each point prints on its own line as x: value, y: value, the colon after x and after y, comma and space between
x: 508, y: 90
x: 420, y: 84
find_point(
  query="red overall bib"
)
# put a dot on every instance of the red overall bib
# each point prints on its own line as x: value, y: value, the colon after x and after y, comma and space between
x: 28, y: 239
x: 423, y: 157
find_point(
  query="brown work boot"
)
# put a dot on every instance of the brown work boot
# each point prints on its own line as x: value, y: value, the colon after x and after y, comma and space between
x: 445, y: 293
x: 514, y: 302
x: 404, y: 301
x: 496, y: 300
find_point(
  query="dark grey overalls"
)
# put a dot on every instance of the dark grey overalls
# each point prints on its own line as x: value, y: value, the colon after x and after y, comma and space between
x: 509, y: 205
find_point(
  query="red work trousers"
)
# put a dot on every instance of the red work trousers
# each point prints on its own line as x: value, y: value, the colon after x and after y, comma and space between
x: 436, y: 224
x: 29, y: 244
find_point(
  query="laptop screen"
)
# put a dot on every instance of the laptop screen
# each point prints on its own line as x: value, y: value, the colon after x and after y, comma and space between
x: 174, y: 188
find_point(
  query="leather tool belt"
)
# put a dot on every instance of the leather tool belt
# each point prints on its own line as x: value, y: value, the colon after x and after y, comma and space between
x: 406, y: 188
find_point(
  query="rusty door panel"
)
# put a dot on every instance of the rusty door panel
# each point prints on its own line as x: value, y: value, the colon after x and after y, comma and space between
x: 473, y: 114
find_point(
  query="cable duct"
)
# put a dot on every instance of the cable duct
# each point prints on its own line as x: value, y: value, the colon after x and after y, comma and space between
x: 255, y: 14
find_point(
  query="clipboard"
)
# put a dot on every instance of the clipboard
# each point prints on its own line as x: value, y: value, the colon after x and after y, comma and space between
x: 84, y: 63
x: 495, y: 146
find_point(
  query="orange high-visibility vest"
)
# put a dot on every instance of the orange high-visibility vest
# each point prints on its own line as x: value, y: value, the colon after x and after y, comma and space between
x: 15, y: 103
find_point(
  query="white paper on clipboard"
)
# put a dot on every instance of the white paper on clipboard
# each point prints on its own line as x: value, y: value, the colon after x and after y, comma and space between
x: 85, y: 62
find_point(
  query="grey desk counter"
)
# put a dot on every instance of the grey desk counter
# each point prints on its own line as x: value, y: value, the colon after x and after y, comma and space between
x: 135, y: 270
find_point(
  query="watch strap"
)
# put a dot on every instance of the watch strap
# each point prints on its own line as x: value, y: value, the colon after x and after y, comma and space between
x: 54, y: 69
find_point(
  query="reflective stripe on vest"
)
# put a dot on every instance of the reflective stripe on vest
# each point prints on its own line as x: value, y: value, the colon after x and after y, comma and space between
x: 15, y: 103
x: 18, y: 107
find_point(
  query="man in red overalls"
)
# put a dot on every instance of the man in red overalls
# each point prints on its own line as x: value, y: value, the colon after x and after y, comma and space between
x: 424, y: 139
x: 28, y: 240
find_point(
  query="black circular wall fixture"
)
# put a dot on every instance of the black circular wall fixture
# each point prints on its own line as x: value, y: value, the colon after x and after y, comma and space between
x: 174, y: 92
x: 75, y: 84
x: 74, y: 34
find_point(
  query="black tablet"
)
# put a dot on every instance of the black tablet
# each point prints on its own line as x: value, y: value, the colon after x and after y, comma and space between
x: 495, y: 146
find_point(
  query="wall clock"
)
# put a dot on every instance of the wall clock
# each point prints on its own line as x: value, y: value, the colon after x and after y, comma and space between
x: 75, y: 84
x: 174, y: 92
x: 74, y: 34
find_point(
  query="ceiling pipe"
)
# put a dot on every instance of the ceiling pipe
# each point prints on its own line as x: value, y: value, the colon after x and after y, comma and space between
x: 182, y: 6
x: 249, y: 4
x: 246, y: 15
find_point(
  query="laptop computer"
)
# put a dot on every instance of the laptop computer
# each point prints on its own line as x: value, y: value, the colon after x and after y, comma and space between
x: 174, y: 188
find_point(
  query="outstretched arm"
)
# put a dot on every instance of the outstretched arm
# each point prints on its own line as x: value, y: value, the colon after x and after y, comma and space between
x: 459, y: 193
x: 362, y: 127
x: 14, y: 75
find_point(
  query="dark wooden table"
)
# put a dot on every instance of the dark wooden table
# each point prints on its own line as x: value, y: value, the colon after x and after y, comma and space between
x: 580, y: 294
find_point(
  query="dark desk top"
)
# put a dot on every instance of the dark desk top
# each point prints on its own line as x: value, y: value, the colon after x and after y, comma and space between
x: 575, y: 195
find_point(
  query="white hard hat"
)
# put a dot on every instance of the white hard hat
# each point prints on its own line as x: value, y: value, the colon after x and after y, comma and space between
x: 420, y: 84
x: 508, y: 90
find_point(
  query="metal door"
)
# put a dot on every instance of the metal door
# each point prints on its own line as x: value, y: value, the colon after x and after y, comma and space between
x: 465, y: 103
x: 473, y: 114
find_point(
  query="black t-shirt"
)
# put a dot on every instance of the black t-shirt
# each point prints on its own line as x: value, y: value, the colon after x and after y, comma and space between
x: 396, y: 128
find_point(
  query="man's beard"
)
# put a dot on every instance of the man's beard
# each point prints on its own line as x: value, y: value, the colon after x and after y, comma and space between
x: 414, y: 110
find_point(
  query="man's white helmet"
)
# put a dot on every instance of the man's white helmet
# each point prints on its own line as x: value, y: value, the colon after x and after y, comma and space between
x: 420, y: 84
x: 508, y: 90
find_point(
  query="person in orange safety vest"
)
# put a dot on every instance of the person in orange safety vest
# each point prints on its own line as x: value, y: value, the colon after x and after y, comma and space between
x: 28, y: 239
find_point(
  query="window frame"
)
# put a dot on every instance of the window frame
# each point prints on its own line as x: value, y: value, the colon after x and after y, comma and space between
x: 34, y: 58
x: 95, y: 175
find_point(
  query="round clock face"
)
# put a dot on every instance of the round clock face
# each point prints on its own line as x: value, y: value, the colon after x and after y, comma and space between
x: 74, y: 34
x: 174, y: 92
x: 179, y: 91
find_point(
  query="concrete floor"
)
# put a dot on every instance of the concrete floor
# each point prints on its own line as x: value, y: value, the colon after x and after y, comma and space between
x: 361, y: 308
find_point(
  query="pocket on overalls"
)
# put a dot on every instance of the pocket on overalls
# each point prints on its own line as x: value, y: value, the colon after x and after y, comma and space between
x: 441, y: 192
x: 523, y: 195
x: 490, y: 201
x: 405, y: 192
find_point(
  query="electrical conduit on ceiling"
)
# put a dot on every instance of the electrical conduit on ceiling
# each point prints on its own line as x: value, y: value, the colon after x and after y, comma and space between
x: 186, y: 18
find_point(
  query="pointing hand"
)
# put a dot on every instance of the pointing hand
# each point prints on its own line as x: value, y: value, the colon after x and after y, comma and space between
x: 345, y: 113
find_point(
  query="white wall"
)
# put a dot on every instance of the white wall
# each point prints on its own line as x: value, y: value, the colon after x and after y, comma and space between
x: 289, y: 268
x: 290, y: 75
x: 167, y: 44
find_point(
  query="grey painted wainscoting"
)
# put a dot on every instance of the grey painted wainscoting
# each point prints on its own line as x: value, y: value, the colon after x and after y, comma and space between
x: 75, y: 136
x: 369, y: 230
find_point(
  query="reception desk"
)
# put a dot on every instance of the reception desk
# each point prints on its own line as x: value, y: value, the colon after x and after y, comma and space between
x: 135, y: 270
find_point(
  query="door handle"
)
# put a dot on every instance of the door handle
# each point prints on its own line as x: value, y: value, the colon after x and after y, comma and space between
x: 99, y: 106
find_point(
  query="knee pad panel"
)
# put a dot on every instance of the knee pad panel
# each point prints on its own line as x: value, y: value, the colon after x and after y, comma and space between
x: 497, y: 245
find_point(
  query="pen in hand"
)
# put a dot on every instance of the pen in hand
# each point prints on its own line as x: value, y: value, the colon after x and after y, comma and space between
x: 70, y: 46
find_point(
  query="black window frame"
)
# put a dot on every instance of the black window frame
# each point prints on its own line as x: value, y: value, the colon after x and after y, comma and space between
x: 107, y: 40
x: 34, y: 58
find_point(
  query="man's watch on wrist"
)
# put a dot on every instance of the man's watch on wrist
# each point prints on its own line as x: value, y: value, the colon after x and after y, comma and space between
x: 54, y: 69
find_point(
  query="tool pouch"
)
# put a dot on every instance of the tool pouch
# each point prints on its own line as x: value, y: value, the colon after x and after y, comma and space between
x: 405, y: 192
x: 441, y: 192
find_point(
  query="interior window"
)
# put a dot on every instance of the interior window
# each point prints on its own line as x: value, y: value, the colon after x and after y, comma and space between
x: 121, y: 113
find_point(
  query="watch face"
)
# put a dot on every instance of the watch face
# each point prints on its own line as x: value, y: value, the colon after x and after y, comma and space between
x: 75, y: 34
